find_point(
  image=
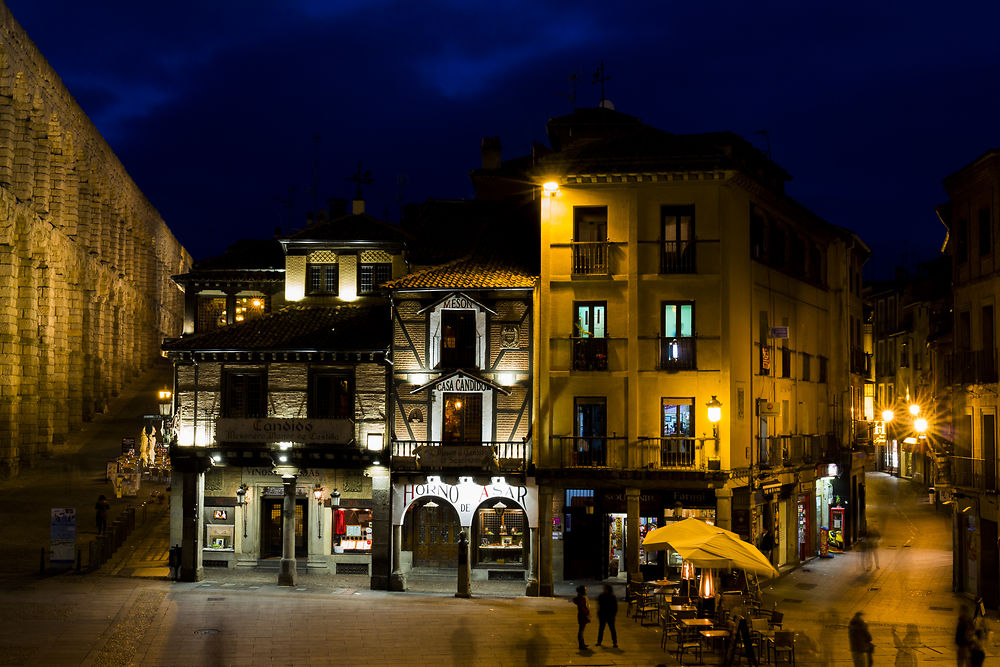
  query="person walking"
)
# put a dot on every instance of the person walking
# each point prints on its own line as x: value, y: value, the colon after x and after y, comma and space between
x: 860, y: 639
x: 582, y: 613
x: 607, y: 609
x: 963, y: 636
x: 101, y: 508
x: 977, y: 649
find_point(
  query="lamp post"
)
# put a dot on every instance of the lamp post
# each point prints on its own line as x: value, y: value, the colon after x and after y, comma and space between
x: 318, y: 495
x: 242, y: 500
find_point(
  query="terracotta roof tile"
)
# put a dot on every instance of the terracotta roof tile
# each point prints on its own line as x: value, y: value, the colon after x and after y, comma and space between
x: 467, y: 273
x: 335, y: 328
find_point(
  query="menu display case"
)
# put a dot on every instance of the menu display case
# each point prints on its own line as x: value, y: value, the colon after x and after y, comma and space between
x: 220, y: 528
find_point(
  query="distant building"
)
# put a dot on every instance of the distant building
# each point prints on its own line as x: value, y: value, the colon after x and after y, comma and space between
x: 280, y: 414
x: 679, y: 280
x: 970, y: 216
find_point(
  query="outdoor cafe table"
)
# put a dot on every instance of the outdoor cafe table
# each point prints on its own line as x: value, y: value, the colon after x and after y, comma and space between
x: 705, y: 623
x: 674, y: 608
x: 710, y: 635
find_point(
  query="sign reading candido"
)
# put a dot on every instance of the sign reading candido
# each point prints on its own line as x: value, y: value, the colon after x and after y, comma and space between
x: 310, y: 431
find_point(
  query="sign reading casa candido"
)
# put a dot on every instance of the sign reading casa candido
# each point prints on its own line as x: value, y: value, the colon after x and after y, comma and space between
x: 274, y: 429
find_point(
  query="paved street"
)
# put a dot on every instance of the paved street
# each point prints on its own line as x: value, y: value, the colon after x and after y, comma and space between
x: 128, y: 613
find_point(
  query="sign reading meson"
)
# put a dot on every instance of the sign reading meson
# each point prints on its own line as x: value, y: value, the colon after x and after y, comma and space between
x: 309, y: 431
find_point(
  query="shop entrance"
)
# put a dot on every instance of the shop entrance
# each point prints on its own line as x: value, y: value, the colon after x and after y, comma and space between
x: 433, y: 534
x: 583, y: 545
x: 271, y: 528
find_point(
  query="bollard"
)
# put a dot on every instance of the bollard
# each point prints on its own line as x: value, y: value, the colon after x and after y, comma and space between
x: 41, y: 562
x: 464, y: 569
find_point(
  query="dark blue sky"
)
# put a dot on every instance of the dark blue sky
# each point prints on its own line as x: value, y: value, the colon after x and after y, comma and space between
x: 212, y: 106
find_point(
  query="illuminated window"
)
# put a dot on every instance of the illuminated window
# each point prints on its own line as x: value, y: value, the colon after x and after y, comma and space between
x: 244, y: 395
x: 251, y: 307
x: 211, y: 313
x: 373, y: 275
x: 322, y: 279
x: 331, y: 396
x: 677, y: 348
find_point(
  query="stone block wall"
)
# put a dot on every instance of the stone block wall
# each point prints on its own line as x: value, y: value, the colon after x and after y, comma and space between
x: 85, y: 262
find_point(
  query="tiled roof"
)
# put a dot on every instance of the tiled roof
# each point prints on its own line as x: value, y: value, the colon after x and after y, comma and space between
x: 467, y: 273
x: 359, y: 227
x: 302, y: 328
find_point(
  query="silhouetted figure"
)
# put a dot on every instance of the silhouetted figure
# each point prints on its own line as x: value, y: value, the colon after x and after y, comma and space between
x: 607, y: 609
x: 101, y: 509
x: 536, y: 651
x: 582, y: 613
x: 766, y: 544
x: 860, y: 639
x: 977, y: 649
x: 963, y: 636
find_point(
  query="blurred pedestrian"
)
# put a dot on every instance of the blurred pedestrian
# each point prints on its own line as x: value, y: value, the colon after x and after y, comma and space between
x: 607, y: 609
x: 766, y: 544
x: 977, y: 649
x: 874, y: 539
x: 101, y: 509
x: 963, y: 636
x: 582, y: 613
x: 860, y: 639
x: 906, y: 647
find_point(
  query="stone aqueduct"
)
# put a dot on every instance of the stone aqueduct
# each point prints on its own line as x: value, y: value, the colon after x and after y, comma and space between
x: 85, y: 262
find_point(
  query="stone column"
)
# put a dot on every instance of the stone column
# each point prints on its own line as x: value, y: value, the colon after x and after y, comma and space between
x: 545, y: 541
x: 464, y: 566
x: 383, y: 548
x: 397, y: 580
x: 193, y: 483
x: 632, y: 532
x: 530, y: 550
x: 286, y: 574
x: 230, y: 308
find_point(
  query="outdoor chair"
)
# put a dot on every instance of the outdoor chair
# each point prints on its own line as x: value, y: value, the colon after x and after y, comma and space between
x: 647, y: 607
x: 632, y: 590
x: 688, y: 640
x: 775, y: 620
x: 783, y: 642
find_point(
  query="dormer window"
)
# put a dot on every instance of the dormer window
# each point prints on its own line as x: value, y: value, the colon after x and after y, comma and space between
x: 373, y: 275
x: 458, y: 339
x: 457, y: 328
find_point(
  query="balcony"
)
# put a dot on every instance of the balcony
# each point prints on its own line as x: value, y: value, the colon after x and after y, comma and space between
x: 590, y: 258
x: 797, y: 449
x: 973, y: 473
x: 678, y: 354
x: 590, y: 354
x: 976, y: 366
x: 677, y: 257
x: 592, y: 451
x: 672, y: 453
x: 436, y: 455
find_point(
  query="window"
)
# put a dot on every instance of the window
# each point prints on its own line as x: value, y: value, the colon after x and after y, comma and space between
x: 786, y: 362
x: 590, y: 423
x: 904, y: 355
x: 373, y: 275
x: 352, y: 530
x: 463, y: 418
x: 211, y: 313
x: 332, y: 395
x: 806, y: 362
x: 322, y: 279
x: 756, y: 233
x: 590, y: 344
x: 244, y: 395
x: 677, y: 346
x: 822, y: 370
x: 500, y: 531
x: 776, y: 253
x: 590, y: 240
x: 678, y: 239
x: 677, y: 426
x: 962, y: 241
x: 985, y: 238
x: 458, y: 338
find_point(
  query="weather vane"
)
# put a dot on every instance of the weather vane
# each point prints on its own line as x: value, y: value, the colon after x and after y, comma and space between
x: 600, y: 77
x: 360, y: 178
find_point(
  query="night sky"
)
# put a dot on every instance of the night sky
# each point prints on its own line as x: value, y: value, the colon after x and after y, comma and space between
x: 213, y: 107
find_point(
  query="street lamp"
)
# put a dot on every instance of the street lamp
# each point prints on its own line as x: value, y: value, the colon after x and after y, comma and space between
x: 914, y: 409
x: 714, y: 415
x: 887, y: 415
x: 920, y: 424
x: 318, y: 495
x: 165, y: 405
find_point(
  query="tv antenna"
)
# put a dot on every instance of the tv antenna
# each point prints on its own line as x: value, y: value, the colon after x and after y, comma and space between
x: 360, y: 177
x: 571, y: 95
x: 600, y: 77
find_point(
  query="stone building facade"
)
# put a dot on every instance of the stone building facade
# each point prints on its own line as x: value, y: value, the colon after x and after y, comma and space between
x: 85, y: 262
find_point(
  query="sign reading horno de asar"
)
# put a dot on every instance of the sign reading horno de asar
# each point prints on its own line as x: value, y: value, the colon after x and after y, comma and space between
x: 309, y: 431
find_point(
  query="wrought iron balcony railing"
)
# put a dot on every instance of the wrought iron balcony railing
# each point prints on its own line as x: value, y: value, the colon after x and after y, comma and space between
x: 660, y: 453
x: 678, y: 354
x: 973, y: 473
x: 677, y: 257
x: 424, y: 455
x: 590, y: 258
x: 592, y: 451
x: 975, y: 366
x: 590, y: 354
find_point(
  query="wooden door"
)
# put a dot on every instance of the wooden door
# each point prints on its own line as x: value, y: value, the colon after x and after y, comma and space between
x: 435, y: 530
x: 271, y: 528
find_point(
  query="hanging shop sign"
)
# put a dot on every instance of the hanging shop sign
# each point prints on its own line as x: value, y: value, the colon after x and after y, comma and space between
x: 308, y: 431
x: 472, y: 457
x: 768, y: 408
x: 779, y: 332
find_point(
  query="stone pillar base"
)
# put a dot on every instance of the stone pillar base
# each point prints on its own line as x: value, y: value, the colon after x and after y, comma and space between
x: 531, y: 589
x: 397, y: 581
x: 286, y: 574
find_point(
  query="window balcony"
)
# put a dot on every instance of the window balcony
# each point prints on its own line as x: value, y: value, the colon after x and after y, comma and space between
x: 590, y: 354
x: 671, y: 453
x: 976, y: 366
x: 436, y: 455
x: 970, y: 473
x: 592, y: 451
x: 677, y: 257
x: 678, y: 354
x: 590, y: 258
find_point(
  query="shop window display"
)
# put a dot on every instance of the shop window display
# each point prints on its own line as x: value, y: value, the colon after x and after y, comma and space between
x: 352, y: 530
x: 501, y: 536
x: 219, y: 528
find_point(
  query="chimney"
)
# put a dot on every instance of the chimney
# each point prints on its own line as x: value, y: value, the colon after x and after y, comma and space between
x: 490, y: 150
x: 358, y: 206
x: 338, y: 207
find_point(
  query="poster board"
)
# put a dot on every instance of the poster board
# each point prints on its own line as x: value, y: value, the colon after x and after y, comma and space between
x: 740, y: 637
